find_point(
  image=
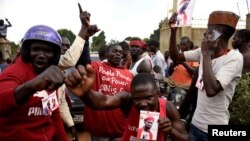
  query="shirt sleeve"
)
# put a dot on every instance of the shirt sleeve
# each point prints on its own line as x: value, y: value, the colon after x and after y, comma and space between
x: 9, y: 81
x: 70, y: 58
x: 64, y: 108
x: 231, y: 69
x: 193, y: 55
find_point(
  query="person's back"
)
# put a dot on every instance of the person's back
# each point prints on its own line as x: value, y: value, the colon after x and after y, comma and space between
x: 111, y: 78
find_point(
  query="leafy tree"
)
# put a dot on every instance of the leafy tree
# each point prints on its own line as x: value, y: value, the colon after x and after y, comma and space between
x: 239, y: 108
x: 67, y: 33
x: 14, y: 48
x: 98, y: 41
x: 112, y: 41
x: 156, y: 35
x: 130, y: 38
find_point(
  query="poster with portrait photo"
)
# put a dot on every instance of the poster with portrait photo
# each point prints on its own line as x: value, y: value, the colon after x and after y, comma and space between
x: 148, y: 125
x: 185, y: 12
x: 50, y: 103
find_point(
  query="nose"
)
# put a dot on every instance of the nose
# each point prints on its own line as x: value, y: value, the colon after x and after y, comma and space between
x: 143, y: 104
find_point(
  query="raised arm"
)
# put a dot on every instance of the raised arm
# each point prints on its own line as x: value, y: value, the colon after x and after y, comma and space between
x: 9, y: 24
x: 173, y: 51
x: 70, y: 58
x: 85, y: 56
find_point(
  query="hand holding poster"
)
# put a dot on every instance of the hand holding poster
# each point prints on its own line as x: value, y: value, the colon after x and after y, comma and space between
x: 185, y: 11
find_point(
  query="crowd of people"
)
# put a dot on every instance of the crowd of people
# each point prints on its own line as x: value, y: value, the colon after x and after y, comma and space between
x: 125, y: 82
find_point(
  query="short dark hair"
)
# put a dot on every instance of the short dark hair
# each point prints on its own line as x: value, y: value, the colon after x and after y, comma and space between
x: 124, y: 45
x: 102, y: 52
x: 244, y: 34
x: 153, y: 43
x: 143, y: 79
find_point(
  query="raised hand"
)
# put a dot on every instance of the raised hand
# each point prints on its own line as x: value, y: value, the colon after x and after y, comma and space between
x: 84, y: 16
x: 80, y: 81
x: 87, y: 30
x: 172, y: 21
x: 208, y: 46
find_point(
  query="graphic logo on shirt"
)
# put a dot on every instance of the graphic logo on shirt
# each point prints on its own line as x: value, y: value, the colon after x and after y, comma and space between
x: 35, y: 111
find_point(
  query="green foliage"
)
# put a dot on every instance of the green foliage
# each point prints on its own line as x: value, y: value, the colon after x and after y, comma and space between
x: 112, y: 41
x: 156, y: 35
x: 98, y: 41
x: 14, y: 48
x: 239, y: 108
x: 130, y: 38
x: 67, y: 33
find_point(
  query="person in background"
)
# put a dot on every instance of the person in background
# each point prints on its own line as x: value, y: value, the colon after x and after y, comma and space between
x: 241, y: 41
x: 126, y: 61
x: 157, y: 57
x: 3, y: 28
x: 144, y: 96
x: 183, y: 71
x: 111, y: 78
x: 219, y: 72
x: 168, y: 62
x: 102, y: 52
x: 141, y: 61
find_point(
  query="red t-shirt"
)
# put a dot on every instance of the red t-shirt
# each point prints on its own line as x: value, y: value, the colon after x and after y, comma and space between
x: 109, y: 81
x: 27, y: 121
x: 133, y: 122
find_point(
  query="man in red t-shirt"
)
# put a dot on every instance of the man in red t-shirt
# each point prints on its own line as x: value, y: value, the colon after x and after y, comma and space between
x: 111, y: 78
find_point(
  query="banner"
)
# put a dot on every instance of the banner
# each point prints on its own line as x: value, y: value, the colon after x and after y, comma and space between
x: 185, y: 11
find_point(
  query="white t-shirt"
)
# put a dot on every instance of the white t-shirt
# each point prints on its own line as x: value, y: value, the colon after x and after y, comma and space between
x: 227, y: 70
x: 158, y: 59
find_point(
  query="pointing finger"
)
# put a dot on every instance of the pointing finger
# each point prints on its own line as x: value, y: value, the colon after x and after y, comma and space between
x: 80, y: 8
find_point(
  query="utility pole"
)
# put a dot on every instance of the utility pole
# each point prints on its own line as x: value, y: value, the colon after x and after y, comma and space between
x: 247, y: 6
x: 175, y: 2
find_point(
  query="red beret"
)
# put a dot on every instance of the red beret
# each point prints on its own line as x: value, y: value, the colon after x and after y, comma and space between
x: 149, y: 118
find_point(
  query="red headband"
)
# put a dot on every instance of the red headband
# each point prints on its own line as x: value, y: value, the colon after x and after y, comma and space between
x: 137, y: 43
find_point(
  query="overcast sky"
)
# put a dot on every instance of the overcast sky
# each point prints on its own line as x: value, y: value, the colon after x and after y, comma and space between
x: 118, y: 18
